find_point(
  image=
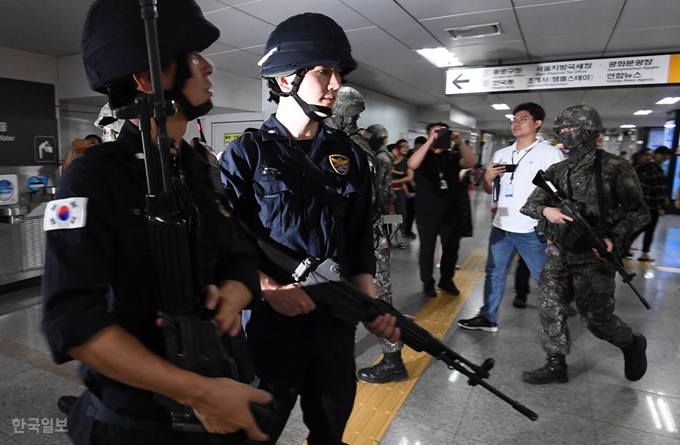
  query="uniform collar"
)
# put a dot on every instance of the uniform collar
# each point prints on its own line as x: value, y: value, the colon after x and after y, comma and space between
x: 272, y: 129
x: 525, y: 149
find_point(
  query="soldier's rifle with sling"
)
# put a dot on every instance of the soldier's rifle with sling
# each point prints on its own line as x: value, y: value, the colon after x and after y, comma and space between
x: 192, y: 341
x: 339, y: 298
x: 582, y: 228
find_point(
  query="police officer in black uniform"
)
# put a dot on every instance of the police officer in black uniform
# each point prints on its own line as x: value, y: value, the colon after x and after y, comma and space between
x: 98, y: 299
x: 306, y: 187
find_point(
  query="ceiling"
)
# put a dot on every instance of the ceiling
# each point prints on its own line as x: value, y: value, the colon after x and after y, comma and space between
x: 385, y: 33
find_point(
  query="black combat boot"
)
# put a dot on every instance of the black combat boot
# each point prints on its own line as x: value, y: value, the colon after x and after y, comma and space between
x: 390, y: 369
x: 65, y: 403
x: 635, y: 358
x: 554, y: 371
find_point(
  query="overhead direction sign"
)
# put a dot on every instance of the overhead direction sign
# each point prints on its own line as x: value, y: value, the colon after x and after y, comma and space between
x: 613, y: 72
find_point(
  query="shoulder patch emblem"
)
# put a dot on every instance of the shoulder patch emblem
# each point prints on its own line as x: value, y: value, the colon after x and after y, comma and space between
x: 340, y: 164
x: 69, y: 213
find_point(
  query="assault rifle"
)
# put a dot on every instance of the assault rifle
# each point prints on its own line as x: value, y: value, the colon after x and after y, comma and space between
x: 339, y: 298
x: 192, y: 341
x: 584, y: 230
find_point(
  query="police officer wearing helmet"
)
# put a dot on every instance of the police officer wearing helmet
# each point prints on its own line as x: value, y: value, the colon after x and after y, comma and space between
x: 99, y: 305
x: 608, y: 192
x: 307, y: 187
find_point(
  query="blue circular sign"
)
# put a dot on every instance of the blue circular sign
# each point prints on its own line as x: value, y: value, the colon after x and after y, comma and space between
x: 6, y: 190
x: 34, y: 183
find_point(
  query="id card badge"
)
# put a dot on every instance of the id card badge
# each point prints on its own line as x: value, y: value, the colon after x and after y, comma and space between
x: 508, y: 190
x: 443, y: 185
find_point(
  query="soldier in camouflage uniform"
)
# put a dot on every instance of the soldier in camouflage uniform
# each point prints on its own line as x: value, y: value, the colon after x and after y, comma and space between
x: 348, y: 105
x: 576, y: 272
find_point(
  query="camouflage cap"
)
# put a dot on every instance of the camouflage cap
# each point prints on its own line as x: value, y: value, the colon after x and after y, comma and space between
x: 579, y: 116
x: 376, y: 131
x: 349, y: 102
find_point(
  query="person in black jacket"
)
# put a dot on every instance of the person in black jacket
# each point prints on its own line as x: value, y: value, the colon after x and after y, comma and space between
x: 438, y: 205
x: 99, y: 302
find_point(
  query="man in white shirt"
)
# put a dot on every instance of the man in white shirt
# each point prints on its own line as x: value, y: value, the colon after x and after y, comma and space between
x: 511, y: 231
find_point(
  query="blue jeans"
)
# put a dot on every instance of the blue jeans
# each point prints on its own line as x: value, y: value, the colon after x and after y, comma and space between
x: 502, y: 248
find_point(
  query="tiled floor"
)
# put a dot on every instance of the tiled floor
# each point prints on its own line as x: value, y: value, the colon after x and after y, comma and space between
x: 597, y: 406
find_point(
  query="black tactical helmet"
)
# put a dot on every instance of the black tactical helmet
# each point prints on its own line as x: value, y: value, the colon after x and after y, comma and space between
x: 305, y: 41
x: 114, y: 44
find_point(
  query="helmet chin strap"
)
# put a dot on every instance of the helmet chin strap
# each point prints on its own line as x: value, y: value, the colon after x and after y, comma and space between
x: 191, y: 112
x: 183, y: 73
x: 314, y: 112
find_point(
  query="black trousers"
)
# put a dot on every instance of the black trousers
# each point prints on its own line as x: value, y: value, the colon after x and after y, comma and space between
x: 400, y: 208
x: 311, y: 357
x: 429, y: 226
x: 649, y: 230
x: 410, y: 214
x: 83, y: 429
x: 522, y: 275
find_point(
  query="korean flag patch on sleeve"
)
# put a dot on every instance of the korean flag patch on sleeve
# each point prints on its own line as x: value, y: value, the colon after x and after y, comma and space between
x: 68, y: 213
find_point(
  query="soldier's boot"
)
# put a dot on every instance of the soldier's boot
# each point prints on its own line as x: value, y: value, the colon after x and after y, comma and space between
x: 390, y: 369
x: 554, y: 371
x: 635, y: 358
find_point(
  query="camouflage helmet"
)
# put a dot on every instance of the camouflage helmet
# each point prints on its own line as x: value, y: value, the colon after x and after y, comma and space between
x: 349, y: 102
x: 584, y: 121
x: 376, y: 131
x: 580, y: 116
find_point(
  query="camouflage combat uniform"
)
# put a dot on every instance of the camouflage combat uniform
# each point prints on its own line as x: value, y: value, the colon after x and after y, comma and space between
x: 577, y: 274
x: 385, y: 195
x: 348, y: 105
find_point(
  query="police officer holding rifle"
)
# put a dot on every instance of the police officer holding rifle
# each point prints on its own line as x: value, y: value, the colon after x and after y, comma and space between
x: 100, y: 298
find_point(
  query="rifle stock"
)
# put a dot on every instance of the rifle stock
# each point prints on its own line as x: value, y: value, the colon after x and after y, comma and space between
x: 581, y: 227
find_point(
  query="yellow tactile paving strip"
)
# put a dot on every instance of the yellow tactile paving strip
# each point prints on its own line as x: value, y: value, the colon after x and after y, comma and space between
x: 376, y: 405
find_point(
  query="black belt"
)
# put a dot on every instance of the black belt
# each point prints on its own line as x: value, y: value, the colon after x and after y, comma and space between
x: 98, y: 411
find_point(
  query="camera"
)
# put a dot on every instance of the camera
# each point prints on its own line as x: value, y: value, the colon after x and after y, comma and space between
x: 443, y: 139
x: 509, y: 168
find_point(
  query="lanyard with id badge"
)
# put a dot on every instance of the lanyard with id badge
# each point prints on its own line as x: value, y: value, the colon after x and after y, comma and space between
x: 443, y: 185
x: 510, y: 188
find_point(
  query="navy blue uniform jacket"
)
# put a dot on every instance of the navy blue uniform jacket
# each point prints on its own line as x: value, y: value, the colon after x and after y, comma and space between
x: 328, y: 217
x: 101, y: 274
x: 271, y: 191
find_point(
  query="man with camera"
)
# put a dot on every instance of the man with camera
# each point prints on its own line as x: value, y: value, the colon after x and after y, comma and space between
x: 437, y: 208
x: 508, y: 178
